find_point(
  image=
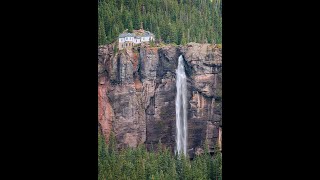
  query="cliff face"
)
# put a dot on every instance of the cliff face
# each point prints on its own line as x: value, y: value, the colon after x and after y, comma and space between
x: 137, y: 94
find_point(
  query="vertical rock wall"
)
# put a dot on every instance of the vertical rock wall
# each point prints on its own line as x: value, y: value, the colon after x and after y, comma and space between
x: 137, y: 94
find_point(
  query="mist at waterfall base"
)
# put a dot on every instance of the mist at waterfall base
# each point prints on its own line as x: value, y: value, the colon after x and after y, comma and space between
x: 181, y: 108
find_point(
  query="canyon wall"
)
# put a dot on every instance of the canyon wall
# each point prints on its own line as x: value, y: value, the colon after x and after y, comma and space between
x: 137, y: 94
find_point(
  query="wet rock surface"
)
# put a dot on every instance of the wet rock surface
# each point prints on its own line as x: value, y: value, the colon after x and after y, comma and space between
x: 137, y: 92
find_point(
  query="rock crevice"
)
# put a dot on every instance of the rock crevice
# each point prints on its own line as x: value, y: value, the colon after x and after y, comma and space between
x: 137, y: 92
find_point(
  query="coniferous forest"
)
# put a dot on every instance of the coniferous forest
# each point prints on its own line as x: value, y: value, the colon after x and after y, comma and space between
x: 138, y: 163
x: 172, y: 21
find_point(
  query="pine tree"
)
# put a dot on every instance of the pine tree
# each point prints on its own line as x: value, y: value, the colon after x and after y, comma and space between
x: 217, y: 162
x: 202, y: 20
x: 102, y: 39
x: 183, y: 39
x: 173, y: 34
x: 157, y: 34
x: 130, y: 28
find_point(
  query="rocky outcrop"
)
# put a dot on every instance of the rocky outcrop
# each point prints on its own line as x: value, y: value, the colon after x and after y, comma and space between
x: 105, y: 111
x: 161, y: 89
x: 204, y: 71
x: 137, y: 94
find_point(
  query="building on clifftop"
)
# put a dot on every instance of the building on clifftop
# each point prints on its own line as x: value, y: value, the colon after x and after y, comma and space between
x: 128, y: 40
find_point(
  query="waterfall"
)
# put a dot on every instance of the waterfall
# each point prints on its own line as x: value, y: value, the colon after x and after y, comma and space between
x: 181, y: 108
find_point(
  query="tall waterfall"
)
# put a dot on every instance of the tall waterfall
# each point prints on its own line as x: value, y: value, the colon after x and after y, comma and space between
x: 181, y: 108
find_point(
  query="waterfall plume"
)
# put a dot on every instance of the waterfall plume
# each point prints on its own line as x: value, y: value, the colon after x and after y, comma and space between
x: 181, y: 108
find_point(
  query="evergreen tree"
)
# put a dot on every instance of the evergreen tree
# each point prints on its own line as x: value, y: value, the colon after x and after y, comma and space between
x: 137, y: 163
x: 102, y: 39
x: 173, y: 34
x: 183, y: 39
x: 199, y: 20
x: 217, y: 163
x: 157, y: 34
x: 130, y: 27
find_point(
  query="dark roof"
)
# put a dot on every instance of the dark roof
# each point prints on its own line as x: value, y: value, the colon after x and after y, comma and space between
x: 126, y: 35
x: 122, y: 35
x: 130, y: 35
x: 145, y: 34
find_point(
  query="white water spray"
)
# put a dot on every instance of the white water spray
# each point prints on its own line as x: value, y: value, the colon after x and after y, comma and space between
x: 181, y: 108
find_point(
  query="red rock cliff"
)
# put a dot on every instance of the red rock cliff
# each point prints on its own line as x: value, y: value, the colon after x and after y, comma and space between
x: 137, y: 94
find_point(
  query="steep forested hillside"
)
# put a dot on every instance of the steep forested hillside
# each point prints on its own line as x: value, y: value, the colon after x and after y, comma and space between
x: 172, y: 21
x: 156, y: 165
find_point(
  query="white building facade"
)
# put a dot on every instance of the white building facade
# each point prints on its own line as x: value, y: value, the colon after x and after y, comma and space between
x: 127, y: 40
